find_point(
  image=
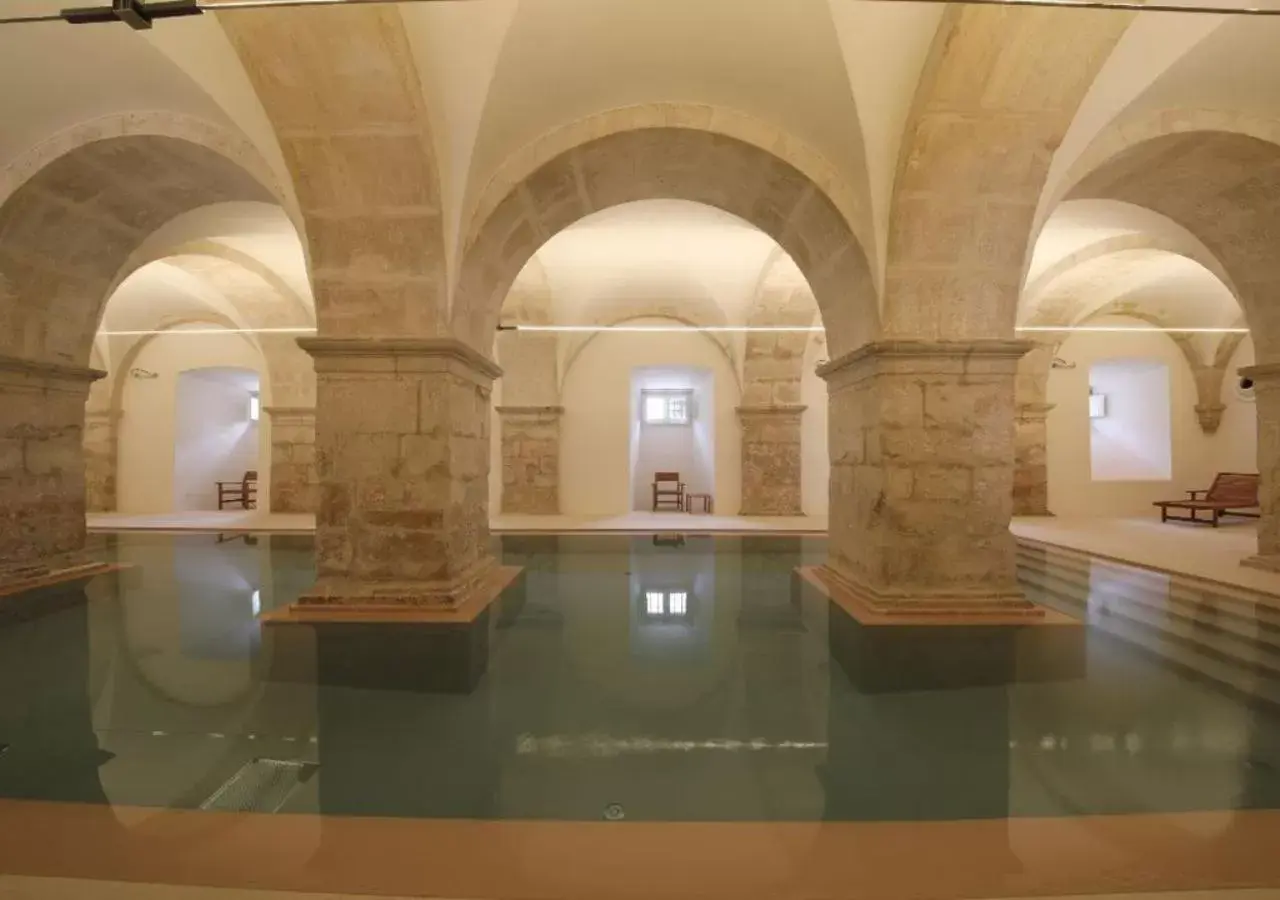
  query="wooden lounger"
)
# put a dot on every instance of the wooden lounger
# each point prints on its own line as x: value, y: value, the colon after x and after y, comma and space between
x: 1231, y: 494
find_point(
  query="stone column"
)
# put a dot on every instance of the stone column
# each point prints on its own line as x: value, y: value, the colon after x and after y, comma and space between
x: 922, y: 448
x: 293, y: 459
x: 531, y: 459
x: 402, y: 458
x: 771, y: 460
x: 101, y: 455
x: 1266, y: 392
x: 1031, y: 460
x: 42, y: 471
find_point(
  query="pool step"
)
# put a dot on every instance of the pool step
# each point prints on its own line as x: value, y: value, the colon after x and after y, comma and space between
x: 1245, y: 666
x: 1207, y: 606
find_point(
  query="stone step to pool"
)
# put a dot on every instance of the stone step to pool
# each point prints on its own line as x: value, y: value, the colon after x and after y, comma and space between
x: 1204, y: 601
x: 1232, y: 644
x: 1193, y: 654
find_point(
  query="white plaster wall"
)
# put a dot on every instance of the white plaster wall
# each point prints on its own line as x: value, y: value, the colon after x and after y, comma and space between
x: 1133, y: 441
x: 145, y: 467
x: 1236, y: 443
x: 1195, y: 455
x: 214, y: 438
x: 596, y: 451
x: 815, y: 455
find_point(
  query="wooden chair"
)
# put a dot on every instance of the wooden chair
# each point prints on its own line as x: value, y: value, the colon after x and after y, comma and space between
x: 668, y: 488
x: 244, y: 491
x: 1230, y: 495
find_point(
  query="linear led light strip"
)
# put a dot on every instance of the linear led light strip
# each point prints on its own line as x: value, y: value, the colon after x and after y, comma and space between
x: 140, y: 15
x: 667, y: 329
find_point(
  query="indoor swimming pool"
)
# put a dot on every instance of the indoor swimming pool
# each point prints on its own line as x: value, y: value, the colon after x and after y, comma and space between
x: 675, y: 678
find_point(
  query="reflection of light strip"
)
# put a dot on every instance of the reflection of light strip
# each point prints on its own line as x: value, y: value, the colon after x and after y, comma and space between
x: 1114, y: 328
x: 604, y: 745
x: 214, y: 330
x: 665, y: 328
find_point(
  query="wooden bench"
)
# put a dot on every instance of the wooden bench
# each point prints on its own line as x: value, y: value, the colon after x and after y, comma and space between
x: 1230, y: 495
x: 243, y: 492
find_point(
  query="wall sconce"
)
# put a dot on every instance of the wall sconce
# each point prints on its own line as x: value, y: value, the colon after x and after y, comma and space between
x: 1060, y: 363
x: 143, y: 373
x: 1097, y: 405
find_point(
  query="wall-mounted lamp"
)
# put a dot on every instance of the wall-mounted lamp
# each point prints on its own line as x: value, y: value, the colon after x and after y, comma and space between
x: 1060, y: 363
x: 1097, y: 405
x: 142, y: 373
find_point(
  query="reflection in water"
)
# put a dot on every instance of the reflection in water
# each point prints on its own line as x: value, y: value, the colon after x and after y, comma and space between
x: 693, y: 682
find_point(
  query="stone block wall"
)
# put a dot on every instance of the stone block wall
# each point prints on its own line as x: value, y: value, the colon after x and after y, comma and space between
x: 294, y: 487
x: 771, y: 460
x: 101, y: 443
x: 42, y: 471
x: 922, y: 447
x: 402, y: 458
x: 1031, y: 460
x: 531, y: 459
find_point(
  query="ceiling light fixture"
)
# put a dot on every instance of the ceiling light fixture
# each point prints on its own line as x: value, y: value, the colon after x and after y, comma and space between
x: 211, y: 330
x: 1118, y: 328
x: 139, y: 15
x: 664, y: 329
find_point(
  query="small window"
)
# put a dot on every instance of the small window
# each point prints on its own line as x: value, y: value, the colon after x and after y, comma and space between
x: 667, y: 407
x: 666, y: 604
x: 255, y: 407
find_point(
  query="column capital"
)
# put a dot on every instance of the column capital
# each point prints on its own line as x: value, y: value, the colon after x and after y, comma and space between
x: 1033, y: 412
x: 290, y: 413
x: 16, y: 371
x: 1210, y: 416
x: 396, y: 355
x: 772, y: 409
x: 996, y: 356
x: 530, y: 412
x: 1261, y: 372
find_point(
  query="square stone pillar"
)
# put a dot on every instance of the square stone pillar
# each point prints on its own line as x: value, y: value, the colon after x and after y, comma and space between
x: 771, y: 460
x: 922, y: 449
x: 1031, y: 460
x: 101, y: 457
x: 294, y: 487
x: 402, y: 457
x: 1266, y: 392
x: 530, y: 459
x: 42, y: 471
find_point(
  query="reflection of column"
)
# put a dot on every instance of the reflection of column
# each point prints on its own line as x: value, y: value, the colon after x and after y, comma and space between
x: 402, y: 432
x: 921, y: 438
x: 1031, y: 460
x: 771, y: 460
x: 531, y: 459
x: 1266, y: 387
x: 42, y: 480
x: 101, y: 452
x: 293, y: 459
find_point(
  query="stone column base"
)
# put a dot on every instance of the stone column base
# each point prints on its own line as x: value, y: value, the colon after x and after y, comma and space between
x: 20, y: 577
x: 443, y: 594
x: 1268, y: 563
x: 981, y: 604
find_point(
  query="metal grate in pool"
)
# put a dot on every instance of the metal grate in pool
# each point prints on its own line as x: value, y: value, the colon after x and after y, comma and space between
x: 261, y: 785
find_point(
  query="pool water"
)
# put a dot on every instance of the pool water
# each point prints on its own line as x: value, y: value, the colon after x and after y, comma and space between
x: 631, y: 678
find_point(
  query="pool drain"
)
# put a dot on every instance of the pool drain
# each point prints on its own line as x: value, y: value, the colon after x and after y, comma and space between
x: 614, y: 812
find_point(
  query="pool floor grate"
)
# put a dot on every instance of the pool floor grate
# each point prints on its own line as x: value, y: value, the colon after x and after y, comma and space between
x: 261, y: 786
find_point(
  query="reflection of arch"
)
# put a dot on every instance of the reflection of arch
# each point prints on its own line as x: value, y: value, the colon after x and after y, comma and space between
x: 1221, y: 187
x: 68, y: 231
x: 672, y: 163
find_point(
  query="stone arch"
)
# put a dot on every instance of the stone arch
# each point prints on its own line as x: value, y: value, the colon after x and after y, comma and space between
x: 70, y: 228
x: 677, y: 163
x: 848, y: 197
x: 1222, y: 187
x: 998, y: 93
x: 341, y: 89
